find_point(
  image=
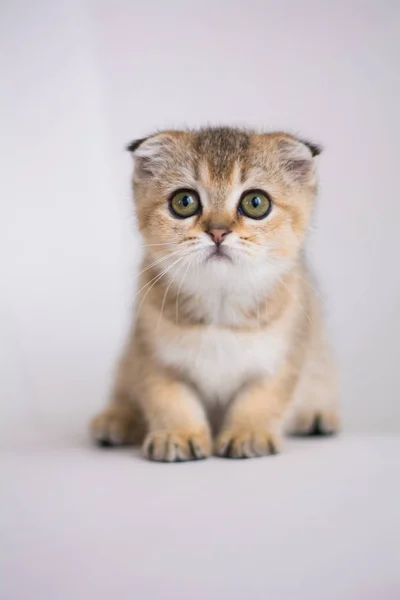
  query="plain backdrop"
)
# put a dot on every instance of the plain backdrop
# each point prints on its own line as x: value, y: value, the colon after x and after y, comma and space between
x: 81, y: 79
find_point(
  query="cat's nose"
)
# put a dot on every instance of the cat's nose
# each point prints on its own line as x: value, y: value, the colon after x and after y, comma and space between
x: 218, y: 234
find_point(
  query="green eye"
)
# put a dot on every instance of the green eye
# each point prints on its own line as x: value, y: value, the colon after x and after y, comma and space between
x: 185, y: 204
x: 255, y: 204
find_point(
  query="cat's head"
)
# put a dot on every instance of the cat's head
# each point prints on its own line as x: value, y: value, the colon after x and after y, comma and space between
x: 222, y: 199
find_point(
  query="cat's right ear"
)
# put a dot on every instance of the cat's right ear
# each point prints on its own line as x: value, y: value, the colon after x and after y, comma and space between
x: 133, y: 146
x: 151, y: 154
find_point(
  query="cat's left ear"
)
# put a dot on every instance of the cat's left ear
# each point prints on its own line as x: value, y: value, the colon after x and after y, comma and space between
x: 297, y: 157
x: 315, y: 149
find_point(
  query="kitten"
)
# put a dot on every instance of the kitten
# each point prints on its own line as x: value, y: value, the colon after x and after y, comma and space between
x: 227, y: 348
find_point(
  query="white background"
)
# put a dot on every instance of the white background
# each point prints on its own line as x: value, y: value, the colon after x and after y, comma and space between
x: 79, y: 80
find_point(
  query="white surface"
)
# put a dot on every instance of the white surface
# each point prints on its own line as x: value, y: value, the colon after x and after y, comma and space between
x: 319, y: 522
x: 79, y: 80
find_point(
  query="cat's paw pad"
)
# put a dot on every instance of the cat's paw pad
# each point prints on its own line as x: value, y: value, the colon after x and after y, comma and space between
x: 246, y: 443
x: 315, y: 423
x: 113, y: 428
x: 175, y: 446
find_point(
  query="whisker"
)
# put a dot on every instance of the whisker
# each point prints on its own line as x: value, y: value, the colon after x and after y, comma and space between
x: 159, y: 260
x: 295, y: 300
x: 198, y: 268
x: 304, y: 280
x: 165, y: 294
x: 151, y: 280
x: 248, y: 244
x: 159, y: 276
x: 179, y: 289
x: 201, y: 344
x: 152, y: 245
x: 153, y: 283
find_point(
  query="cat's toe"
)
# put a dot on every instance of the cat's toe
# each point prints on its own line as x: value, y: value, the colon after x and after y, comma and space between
x: 176, y: 446
x: 246, y: 443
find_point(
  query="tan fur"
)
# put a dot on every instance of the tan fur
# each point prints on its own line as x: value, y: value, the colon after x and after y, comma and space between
x: 233, y: 348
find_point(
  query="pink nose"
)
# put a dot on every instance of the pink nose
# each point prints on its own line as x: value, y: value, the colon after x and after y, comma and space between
x: 218, y: 234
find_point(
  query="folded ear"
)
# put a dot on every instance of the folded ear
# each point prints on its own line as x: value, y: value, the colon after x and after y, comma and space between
x: 315, y: 149
x: 135, y: 144
x: 152, y: 153
x: 297, y: 156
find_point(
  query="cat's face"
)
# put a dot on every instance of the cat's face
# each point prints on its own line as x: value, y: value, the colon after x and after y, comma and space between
x: 223, y: 200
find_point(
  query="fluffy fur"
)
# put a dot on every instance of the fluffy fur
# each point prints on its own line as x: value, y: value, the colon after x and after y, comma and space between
x: 226, y: 351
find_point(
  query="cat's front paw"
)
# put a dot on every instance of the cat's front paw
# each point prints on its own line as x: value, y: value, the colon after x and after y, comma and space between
x: 176, y: 446
x: 246, y: 443
x: 310, y: 422
x: 115, y: 427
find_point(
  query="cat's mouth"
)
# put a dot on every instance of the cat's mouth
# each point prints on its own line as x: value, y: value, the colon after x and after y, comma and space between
x: 219, y: 254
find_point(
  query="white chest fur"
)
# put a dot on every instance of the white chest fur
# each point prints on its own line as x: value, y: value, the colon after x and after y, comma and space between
x: 222, y: 355
x: 219, y: 360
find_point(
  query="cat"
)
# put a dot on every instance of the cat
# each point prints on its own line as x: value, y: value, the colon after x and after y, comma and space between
x: 227, y: 349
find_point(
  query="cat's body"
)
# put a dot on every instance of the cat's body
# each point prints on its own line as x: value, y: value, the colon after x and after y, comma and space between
x: 227, y: 340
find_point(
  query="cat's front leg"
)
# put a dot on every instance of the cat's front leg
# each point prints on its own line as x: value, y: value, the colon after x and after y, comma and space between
x: 178, y: 426
x: 253, y: 423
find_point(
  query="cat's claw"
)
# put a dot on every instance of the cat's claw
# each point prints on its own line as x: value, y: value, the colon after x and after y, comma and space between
x: 246, y: 443
x: 176, y: 446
